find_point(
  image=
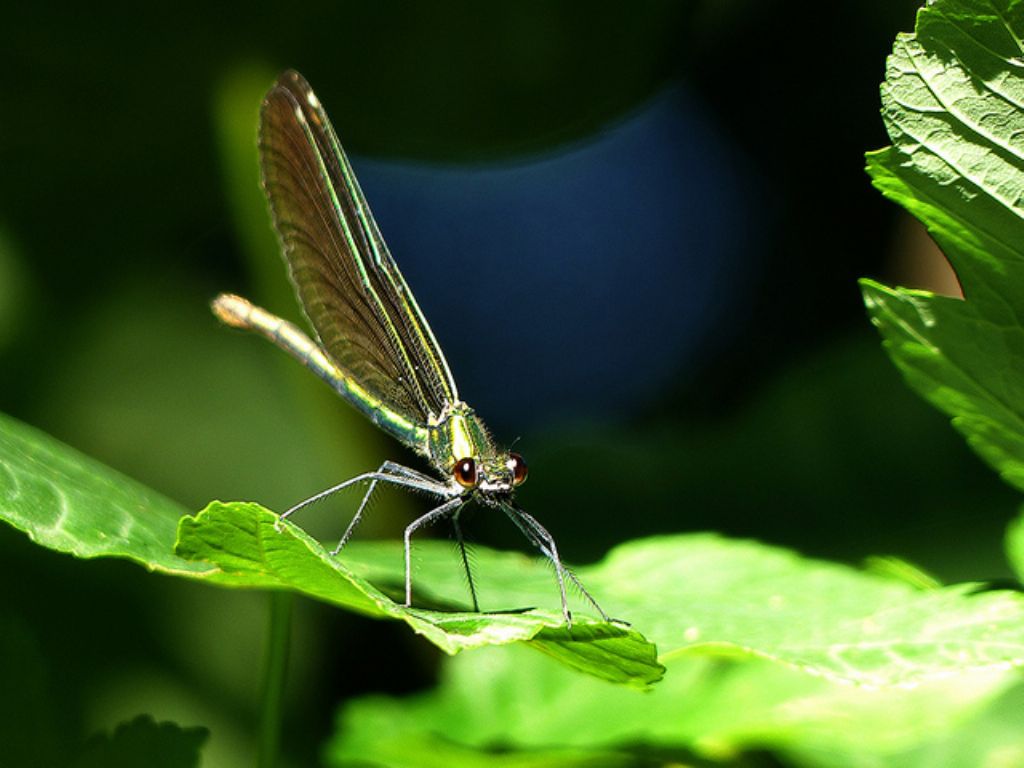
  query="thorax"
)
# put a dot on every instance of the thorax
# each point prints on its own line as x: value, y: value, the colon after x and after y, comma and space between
x: 458, y: 434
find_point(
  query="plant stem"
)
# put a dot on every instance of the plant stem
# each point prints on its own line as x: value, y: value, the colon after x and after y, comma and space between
x: 275, y: 668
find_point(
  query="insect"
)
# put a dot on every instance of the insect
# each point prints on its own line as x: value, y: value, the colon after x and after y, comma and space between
x: 374, y: 346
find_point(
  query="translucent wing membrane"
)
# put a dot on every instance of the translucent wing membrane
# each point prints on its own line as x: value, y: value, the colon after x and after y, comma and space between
x: 357, y: 301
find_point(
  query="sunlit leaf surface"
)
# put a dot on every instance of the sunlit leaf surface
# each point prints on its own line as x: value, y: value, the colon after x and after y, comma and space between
x: 953, y: 103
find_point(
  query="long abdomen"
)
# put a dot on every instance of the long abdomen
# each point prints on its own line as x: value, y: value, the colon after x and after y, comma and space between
x: 241, y: 313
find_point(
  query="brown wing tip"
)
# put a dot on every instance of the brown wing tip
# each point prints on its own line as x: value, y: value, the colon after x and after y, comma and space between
x: 291, y: 78
x: 290, y: 95
x: 293, y: 83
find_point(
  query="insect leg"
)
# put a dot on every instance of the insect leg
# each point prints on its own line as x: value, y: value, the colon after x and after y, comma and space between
x: 465, y: 558
x: 432, y: 515
x: 568, y: 571
x: 538, y: 535
x: 396, y: 474
x: 543, y: 541
x: 411, y: 479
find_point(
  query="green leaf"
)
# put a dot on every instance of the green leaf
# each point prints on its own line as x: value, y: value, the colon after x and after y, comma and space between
x: 691, y: 594
x: 694, y: 594
x: 143, y: 741
x: 991, y: 737
x: 70, y: 503
x: 952, y: 103
x: 895, y: 568
x: 528, y: 708
x: 966, y: 365
x: 702, y: 594
x: 739, y: 625
x: 932, y: 679
x: 243, y: 542
x: 73, y: 504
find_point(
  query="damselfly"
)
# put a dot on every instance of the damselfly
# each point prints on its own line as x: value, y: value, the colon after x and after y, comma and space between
x: 373, y: 346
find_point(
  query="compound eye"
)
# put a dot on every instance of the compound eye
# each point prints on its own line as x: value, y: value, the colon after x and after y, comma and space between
x: 517, y: 466
x: 465, y: 473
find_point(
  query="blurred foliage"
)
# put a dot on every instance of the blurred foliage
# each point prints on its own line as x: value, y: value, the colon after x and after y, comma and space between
x: 15, y: 293
x: 505, y: 701
x: 144, y: 742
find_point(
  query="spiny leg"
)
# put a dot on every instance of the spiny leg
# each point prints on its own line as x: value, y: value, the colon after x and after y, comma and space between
x: 522, y: 522
x: 431, y: 516
x: 537, y: 534
x: 397, y: 474
x: 465, y: 558
x: 414, y: 480
x: 541, y: 531
x: 389, y: 472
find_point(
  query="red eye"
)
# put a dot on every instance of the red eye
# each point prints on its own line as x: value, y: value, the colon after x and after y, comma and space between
x: 465, y: 473
x: 517, y: 465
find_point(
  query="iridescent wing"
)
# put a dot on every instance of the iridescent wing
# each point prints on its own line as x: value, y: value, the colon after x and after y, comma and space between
x: 357, y: 301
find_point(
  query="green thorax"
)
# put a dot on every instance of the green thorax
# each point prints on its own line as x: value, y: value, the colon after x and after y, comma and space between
x: 459, y: 434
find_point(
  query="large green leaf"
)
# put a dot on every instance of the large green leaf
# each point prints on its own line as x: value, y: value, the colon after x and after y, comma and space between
x: 719, y: 699
x: 692, y: 594
x: 68, y: 502
x: 955, y: 702
x: 704, y: 595
x: 953, y: 103
x: 696, y: 594
x: 241, y: 539
x: 536, y: 712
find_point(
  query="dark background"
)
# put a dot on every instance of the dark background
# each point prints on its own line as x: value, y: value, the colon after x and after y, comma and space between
x: 636, y: 230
